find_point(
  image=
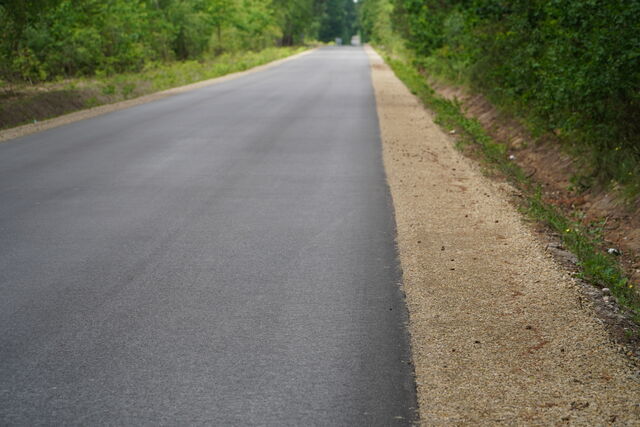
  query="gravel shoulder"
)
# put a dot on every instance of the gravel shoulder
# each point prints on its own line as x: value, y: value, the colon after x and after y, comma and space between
x: 500, y: 332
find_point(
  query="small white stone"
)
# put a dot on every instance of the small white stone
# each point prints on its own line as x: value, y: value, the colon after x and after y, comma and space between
x: 606, y: 291
x: 512, y: 157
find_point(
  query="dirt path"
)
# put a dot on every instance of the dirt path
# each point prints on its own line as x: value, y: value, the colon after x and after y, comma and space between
x: 499, y: 331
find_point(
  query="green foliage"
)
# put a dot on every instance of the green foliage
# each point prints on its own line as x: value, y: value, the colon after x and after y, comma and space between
x: 338, y: 21
x: 298, y: 19
x: 570, y: 67
x: 377, y: 25
x: 47, y: 39
x: 424, y: 25
x: 375, y: 20
x: 575, y: 66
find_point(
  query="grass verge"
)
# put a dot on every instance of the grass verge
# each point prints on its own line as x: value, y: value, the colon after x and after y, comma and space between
x: 21, y: 104
x: 596, y: 266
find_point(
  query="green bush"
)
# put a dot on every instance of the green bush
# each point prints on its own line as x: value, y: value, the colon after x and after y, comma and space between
x: 571, y: 67
x: 576, y: 65
x: 47, y: 39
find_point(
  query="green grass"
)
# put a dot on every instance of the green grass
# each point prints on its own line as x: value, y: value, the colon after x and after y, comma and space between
x: 106, y: 89
x: 596, y: 266
x: 156, y: 77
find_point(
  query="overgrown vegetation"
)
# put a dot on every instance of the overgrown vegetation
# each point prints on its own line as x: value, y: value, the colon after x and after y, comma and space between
x: 570, y: 67
x: 598, y: 267
x: 46, y: 40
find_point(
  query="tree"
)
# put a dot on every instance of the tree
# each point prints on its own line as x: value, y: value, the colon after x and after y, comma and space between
x: 338, y: 20
x: 297, y: 19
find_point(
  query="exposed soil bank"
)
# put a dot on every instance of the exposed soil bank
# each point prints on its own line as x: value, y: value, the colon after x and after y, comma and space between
x: 500, y: 332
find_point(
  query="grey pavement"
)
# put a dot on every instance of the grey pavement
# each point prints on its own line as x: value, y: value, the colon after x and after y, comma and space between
x: 221, y: 257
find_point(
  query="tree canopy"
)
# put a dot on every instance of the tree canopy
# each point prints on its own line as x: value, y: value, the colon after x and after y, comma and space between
x: 48, y: 38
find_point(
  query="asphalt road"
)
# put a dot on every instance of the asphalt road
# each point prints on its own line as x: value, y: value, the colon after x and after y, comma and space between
x: 224, y: 256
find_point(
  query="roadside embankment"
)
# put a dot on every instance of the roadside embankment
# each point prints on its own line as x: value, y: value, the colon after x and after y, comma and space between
x: 50, y: 105
x: 501, y: 334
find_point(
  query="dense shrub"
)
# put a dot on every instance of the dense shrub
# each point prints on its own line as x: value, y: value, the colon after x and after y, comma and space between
x: 576, y: 64
x: 44, y: 39
x: 571, y: 66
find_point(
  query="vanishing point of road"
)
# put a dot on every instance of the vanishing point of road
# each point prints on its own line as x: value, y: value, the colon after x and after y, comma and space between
x: 224, y: 256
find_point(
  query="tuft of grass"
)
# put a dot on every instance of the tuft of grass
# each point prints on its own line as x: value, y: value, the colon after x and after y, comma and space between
x: 599, y: 268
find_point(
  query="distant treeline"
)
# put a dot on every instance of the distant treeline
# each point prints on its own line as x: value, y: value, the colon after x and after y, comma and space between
x: 45, y: 39
x: 572, y: 67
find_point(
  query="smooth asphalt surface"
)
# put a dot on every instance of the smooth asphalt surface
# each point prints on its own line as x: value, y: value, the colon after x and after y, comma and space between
x: 223, y: 257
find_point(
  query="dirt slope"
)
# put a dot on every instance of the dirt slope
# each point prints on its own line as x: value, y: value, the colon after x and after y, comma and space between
x: 500, y: 333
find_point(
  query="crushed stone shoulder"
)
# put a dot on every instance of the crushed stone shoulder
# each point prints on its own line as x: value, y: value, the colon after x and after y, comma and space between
x: 500, y: 332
